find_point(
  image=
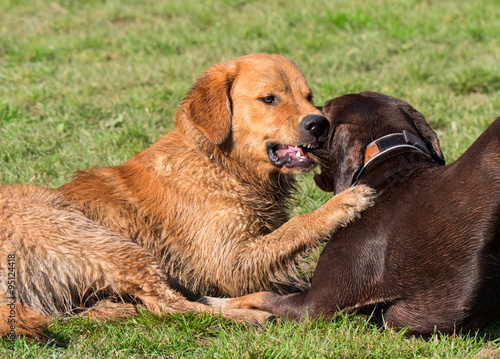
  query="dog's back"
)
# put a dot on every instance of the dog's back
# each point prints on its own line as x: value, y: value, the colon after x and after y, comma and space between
x: 430, y: 245
x: 456, y: 226
x: 427, y: 255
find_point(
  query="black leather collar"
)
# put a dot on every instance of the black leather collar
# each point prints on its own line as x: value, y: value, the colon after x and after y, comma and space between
x: 389, y: 143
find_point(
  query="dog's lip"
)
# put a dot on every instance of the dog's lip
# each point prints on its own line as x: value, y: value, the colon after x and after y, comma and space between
x: 291, y: 156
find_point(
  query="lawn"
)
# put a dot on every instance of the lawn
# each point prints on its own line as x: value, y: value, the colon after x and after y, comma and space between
x: 85, y: 83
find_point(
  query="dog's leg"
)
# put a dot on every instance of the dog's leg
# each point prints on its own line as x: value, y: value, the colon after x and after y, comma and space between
x: 167, y: 301
x: 134, y: 273
x: 158, y: 304
x: 64, y: 262
x: 274, y: 255
x: 130, y: 271
x: 16, y: 319
x: 289, y: 306
x: 106, y: 309
x: 334, y: 214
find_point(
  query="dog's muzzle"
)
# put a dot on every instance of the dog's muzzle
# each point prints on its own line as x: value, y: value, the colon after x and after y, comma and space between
x: 314, y: 130
x: 316, y: 126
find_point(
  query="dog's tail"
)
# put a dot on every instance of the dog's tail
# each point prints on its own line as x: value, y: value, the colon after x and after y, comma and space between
x: 16, y: 319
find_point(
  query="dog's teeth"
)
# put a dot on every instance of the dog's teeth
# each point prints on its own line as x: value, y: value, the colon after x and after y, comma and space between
x: 298, y: 153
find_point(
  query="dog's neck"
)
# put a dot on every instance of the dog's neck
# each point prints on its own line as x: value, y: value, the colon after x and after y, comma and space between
x: 382, y: 146
x: 387, y: 147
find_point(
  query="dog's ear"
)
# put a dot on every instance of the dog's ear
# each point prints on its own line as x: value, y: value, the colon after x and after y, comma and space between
x: 430, y: 137
x: 208, y: 105
x: 341, y: 160
x: 344, y: 154
x: 351, y: 151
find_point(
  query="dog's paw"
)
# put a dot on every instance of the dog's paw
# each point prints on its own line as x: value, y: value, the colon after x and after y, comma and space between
x: 349, y: 204
x: 215, y: 302
x: 359, y: 197
x: 243, y: 316
x: 253, y: 317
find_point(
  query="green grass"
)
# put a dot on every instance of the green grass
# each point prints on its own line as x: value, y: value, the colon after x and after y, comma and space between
x: 85, y: 83
x: 180, y: 336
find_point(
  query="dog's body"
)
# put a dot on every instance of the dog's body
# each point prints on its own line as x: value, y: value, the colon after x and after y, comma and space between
x: 427, y: 254
x: 203, y: 210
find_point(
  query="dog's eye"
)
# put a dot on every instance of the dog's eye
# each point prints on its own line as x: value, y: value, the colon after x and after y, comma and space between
x: 270, y: 100
x: 310, y: 98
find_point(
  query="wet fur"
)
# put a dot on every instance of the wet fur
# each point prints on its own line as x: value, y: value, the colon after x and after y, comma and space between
x: 202, y: 211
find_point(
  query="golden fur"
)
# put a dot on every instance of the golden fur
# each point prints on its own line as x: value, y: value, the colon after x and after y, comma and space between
x: 202, y: 211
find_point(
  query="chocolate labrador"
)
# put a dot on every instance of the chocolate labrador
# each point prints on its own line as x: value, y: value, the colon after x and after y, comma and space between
x: 426, y: 256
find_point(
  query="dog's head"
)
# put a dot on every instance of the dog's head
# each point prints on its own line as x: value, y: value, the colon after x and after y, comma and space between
x: 257, y: 109
x: 357, y: 120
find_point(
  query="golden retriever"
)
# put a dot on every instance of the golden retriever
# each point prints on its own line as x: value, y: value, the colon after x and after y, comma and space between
x: 202, y: 211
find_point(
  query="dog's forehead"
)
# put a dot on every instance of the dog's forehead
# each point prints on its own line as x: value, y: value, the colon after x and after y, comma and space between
x: 362, y: 106
x: 378, y: 114
x: 273, y: 78
x: 263, y: 72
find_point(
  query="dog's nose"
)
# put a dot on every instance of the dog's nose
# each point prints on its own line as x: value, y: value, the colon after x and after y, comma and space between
x: 315, y: 125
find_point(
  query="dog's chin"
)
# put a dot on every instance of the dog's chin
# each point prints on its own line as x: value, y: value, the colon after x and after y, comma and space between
x: 298, y: 169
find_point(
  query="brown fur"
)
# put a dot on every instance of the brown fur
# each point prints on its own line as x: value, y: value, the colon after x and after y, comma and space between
x: 203, y: 210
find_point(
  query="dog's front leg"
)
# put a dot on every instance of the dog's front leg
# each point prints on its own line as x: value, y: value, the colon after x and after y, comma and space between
x: 308, y: 230
x: 271, y: 258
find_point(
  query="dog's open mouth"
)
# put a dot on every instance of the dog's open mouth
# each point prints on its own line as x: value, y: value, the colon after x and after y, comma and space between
x: 291, y: 156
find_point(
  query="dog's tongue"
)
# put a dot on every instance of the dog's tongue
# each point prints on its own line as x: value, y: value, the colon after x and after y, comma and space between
x: 292, y: 152
x: 289, y: 156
